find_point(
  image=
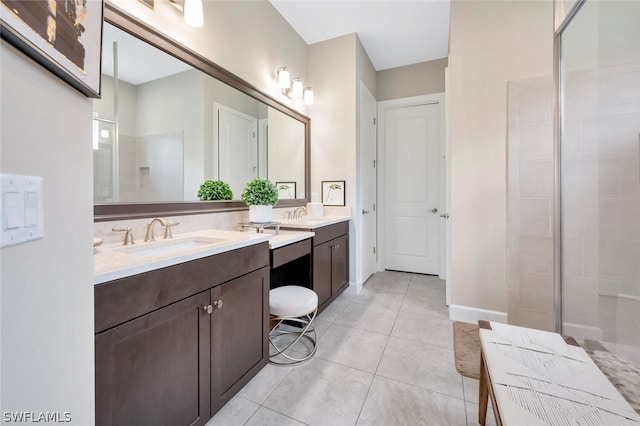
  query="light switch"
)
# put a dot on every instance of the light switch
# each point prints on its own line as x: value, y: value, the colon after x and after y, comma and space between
x: 31, y: 206
x: 12, y: 209
x: 21, y: 208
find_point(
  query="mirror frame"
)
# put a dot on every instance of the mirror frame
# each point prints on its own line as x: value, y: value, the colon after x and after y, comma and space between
x: 116, y: 211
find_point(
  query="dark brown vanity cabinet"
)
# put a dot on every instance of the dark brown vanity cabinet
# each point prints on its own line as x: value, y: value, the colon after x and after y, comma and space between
x: 330, y: 263
x: 187, y: 339
x: 239, y: 330
x: 155, y: 369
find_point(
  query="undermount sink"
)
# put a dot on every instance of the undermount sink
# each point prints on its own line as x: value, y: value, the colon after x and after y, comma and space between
x: 166, y: 247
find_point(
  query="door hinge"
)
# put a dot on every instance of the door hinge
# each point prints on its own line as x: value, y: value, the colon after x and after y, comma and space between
x: 374, y: 207
x: 374, y: 121
x: 374, y: 250
x: 374, y: 163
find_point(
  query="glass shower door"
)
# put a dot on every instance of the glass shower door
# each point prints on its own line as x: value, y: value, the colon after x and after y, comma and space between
x: 104, y: 164
x: 600, y: 176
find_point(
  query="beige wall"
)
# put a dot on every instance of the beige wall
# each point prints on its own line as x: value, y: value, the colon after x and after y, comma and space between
x: 332, y: 68
x: 248, y: 38
x: 411, y: 80
x: 46, y: 285
x: 516, y: 42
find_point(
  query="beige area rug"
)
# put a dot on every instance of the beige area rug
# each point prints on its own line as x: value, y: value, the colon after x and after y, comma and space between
x: 466, y: 349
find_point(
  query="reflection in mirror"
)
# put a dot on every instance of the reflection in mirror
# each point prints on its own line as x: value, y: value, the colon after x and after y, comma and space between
x: 163, y: 127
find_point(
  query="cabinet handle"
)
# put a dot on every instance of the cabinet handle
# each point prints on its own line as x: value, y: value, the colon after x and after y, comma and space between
x: 208, y: 309
x: 218, y: 304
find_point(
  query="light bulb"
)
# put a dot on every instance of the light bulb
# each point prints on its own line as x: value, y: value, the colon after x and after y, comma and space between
x: 297, y: 88
x: 308, y: 96
x: 193, y: 14
x: 284, y: 78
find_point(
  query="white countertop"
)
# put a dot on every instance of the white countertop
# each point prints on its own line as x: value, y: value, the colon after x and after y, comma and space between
x: 285, y: 237
x: 114, y: 261
x: 309, y: 222
x: 111, y: 261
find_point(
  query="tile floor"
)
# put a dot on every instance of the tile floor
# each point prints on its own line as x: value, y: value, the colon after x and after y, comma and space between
x: 385, y: 357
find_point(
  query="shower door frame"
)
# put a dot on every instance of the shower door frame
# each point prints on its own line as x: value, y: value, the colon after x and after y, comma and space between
x: 558, y: 114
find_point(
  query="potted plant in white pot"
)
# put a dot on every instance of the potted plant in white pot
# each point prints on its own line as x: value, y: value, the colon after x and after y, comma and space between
x: 260, y: 195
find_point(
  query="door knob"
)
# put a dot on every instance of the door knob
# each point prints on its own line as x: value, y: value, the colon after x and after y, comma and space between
x: 365, y: 211
x: 218, y: 304
x: 446, y: 215
x: 434, y: 210
x: 207, y: 309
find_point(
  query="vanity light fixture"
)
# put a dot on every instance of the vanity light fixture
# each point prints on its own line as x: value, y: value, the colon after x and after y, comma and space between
x: 193, y: 14
x: 284, y: 78
x: 296, y: 88
x: 191, y: 11
x: 293, y: 89
x: 308, y: 96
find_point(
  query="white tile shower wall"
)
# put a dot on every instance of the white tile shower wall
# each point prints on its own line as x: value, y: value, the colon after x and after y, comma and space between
x: 601, y: 200
x: 529, y: 203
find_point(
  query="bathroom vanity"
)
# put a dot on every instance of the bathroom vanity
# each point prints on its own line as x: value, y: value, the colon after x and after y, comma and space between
x: 182, y: 325
x: 174, y: 344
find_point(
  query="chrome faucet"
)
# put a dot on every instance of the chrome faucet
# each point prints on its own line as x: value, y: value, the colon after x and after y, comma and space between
x: 297, y: 213
x: 128, y: 236
x: 149, y: 235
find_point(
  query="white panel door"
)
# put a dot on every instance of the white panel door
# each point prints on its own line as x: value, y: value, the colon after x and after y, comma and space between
x: 412, y: 188
x: 237, y: 148
x: 368, y: 155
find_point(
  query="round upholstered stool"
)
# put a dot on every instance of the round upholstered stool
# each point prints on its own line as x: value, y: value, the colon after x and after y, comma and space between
x: 297, y: 305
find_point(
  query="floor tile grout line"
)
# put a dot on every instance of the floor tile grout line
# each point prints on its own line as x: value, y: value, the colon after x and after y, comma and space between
x: 391, y: 332
x: 420, y: 387
x: 278, y: 412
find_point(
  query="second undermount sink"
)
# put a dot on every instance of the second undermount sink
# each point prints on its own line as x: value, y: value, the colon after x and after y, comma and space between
x: 165, y: 247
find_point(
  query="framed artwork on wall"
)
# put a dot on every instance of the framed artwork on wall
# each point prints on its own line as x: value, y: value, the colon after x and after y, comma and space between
x: 286, y: 190
x: 64, y: 36
x: 333, y: 192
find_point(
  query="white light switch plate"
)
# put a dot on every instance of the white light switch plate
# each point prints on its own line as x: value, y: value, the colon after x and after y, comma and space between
x: 21, y: 209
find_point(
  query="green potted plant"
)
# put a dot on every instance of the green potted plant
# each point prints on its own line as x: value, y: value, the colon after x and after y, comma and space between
x: 260, y: 195
x: 215, y: 190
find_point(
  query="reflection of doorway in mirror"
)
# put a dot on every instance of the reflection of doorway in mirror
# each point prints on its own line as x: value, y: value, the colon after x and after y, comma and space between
x: 236, y: 142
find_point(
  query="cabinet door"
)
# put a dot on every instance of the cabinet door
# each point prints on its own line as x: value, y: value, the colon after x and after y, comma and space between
x: 339, y: 264
x: 154, y: 370
x: 239, y: 333
x: 322, y: 271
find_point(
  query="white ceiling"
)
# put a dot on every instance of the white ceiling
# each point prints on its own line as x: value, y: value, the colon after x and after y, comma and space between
x: 131, y: 53
x: 393, y: 32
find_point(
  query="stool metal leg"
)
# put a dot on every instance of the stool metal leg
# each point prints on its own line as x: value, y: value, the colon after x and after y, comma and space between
x: 304, y: 333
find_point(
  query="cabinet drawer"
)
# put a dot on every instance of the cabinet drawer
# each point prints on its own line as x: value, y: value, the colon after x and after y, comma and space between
x: 286, y: 254
x: 329, y: 232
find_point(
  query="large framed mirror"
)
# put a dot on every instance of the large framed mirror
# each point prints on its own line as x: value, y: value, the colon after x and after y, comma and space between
x: 169, y: 119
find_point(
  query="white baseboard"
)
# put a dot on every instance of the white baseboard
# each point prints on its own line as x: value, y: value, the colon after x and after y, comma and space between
x: 581, y: 331
x: 473, y: 315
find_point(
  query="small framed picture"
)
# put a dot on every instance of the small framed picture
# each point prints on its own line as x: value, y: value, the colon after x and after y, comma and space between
x: 286, y: 190
x: 333, y: 192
